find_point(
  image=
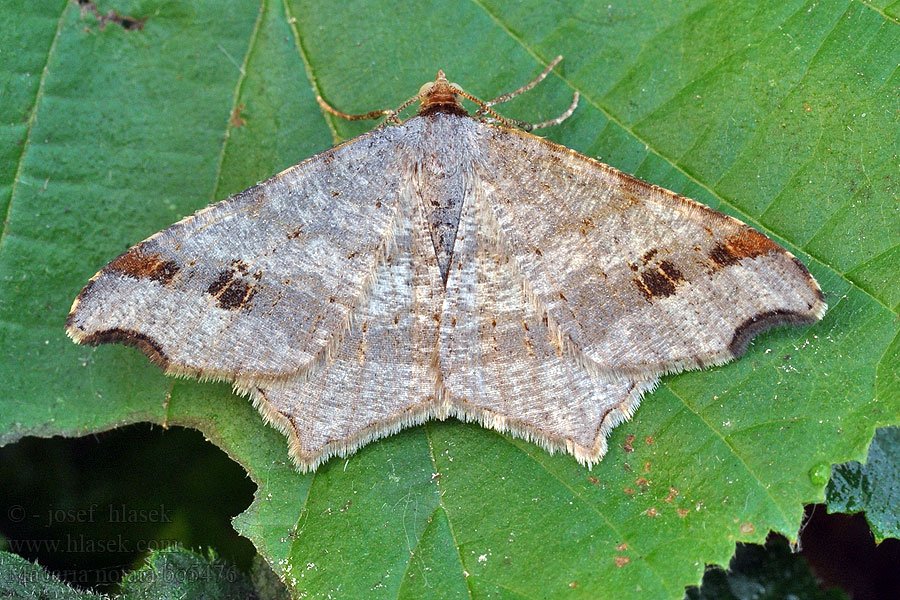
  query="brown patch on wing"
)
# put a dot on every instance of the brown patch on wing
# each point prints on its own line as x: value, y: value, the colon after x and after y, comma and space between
x: 722, y: 256
x: 648, y: 256
x: 220, y: 282
x: 230, y: 288
x: 659, y: 282
x: 236, y: 295
x: 749, y: 244
x: 146, y: 344
x: 655, y: 284
x: 435, y: 109
x: 757, y: 324
x: 139, y: 264
x: 671, y: 271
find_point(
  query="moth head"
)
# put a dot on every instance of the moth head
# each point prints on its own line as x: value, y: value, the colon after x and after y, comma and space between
x: 440, y: 96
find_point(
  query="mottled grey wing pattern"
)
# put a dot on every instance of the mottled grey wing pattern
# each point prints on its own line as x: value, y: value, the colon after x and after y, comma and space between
x: 381, y: 377
x: 504, y: 367
x: 641, y: 280
x: 258, y: 286
x: 474, y: 347
x: 446, y: 266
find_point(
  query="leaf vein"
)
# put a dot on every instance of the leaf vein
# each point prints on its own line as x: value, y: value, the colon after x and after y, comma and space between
x: 237, y: 95
x: 446, y: 513
x: 32, y: 118
x: 307, y: 65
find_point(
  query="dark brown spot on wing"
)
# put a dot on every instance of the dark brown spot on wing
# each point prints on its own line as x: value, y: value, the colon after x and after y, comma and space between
x: 671, y: 271
x: 587, y: 224
x: 138, y: 264
x: 757, y: 324
x: 220, y: 282
x: 141, y: 341
x: 236, y: 295
x: 230, y: 288
x: 658, y: 282
x: 749, y: 244
x: 655, y: 284
x: 648, y: 256
x: 722, y: 256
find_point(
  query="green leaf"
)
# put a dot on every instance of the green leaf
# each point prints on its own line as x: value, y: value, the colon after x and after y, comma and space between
x: 873, y: 488
x: 22, y: 579
x: 782, y: 114
x: 175, y: 573
x: 171, y: 573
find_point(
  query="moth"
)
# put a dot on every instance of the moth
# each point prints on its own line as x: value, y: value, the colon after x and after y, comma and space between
x: 449, y: 264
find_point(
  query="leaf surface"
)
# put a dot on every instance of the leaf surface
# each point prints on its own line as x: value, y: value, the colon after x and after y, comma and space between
x: 873, y: 487
x: 783, y: 115
x: 169, y: 574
